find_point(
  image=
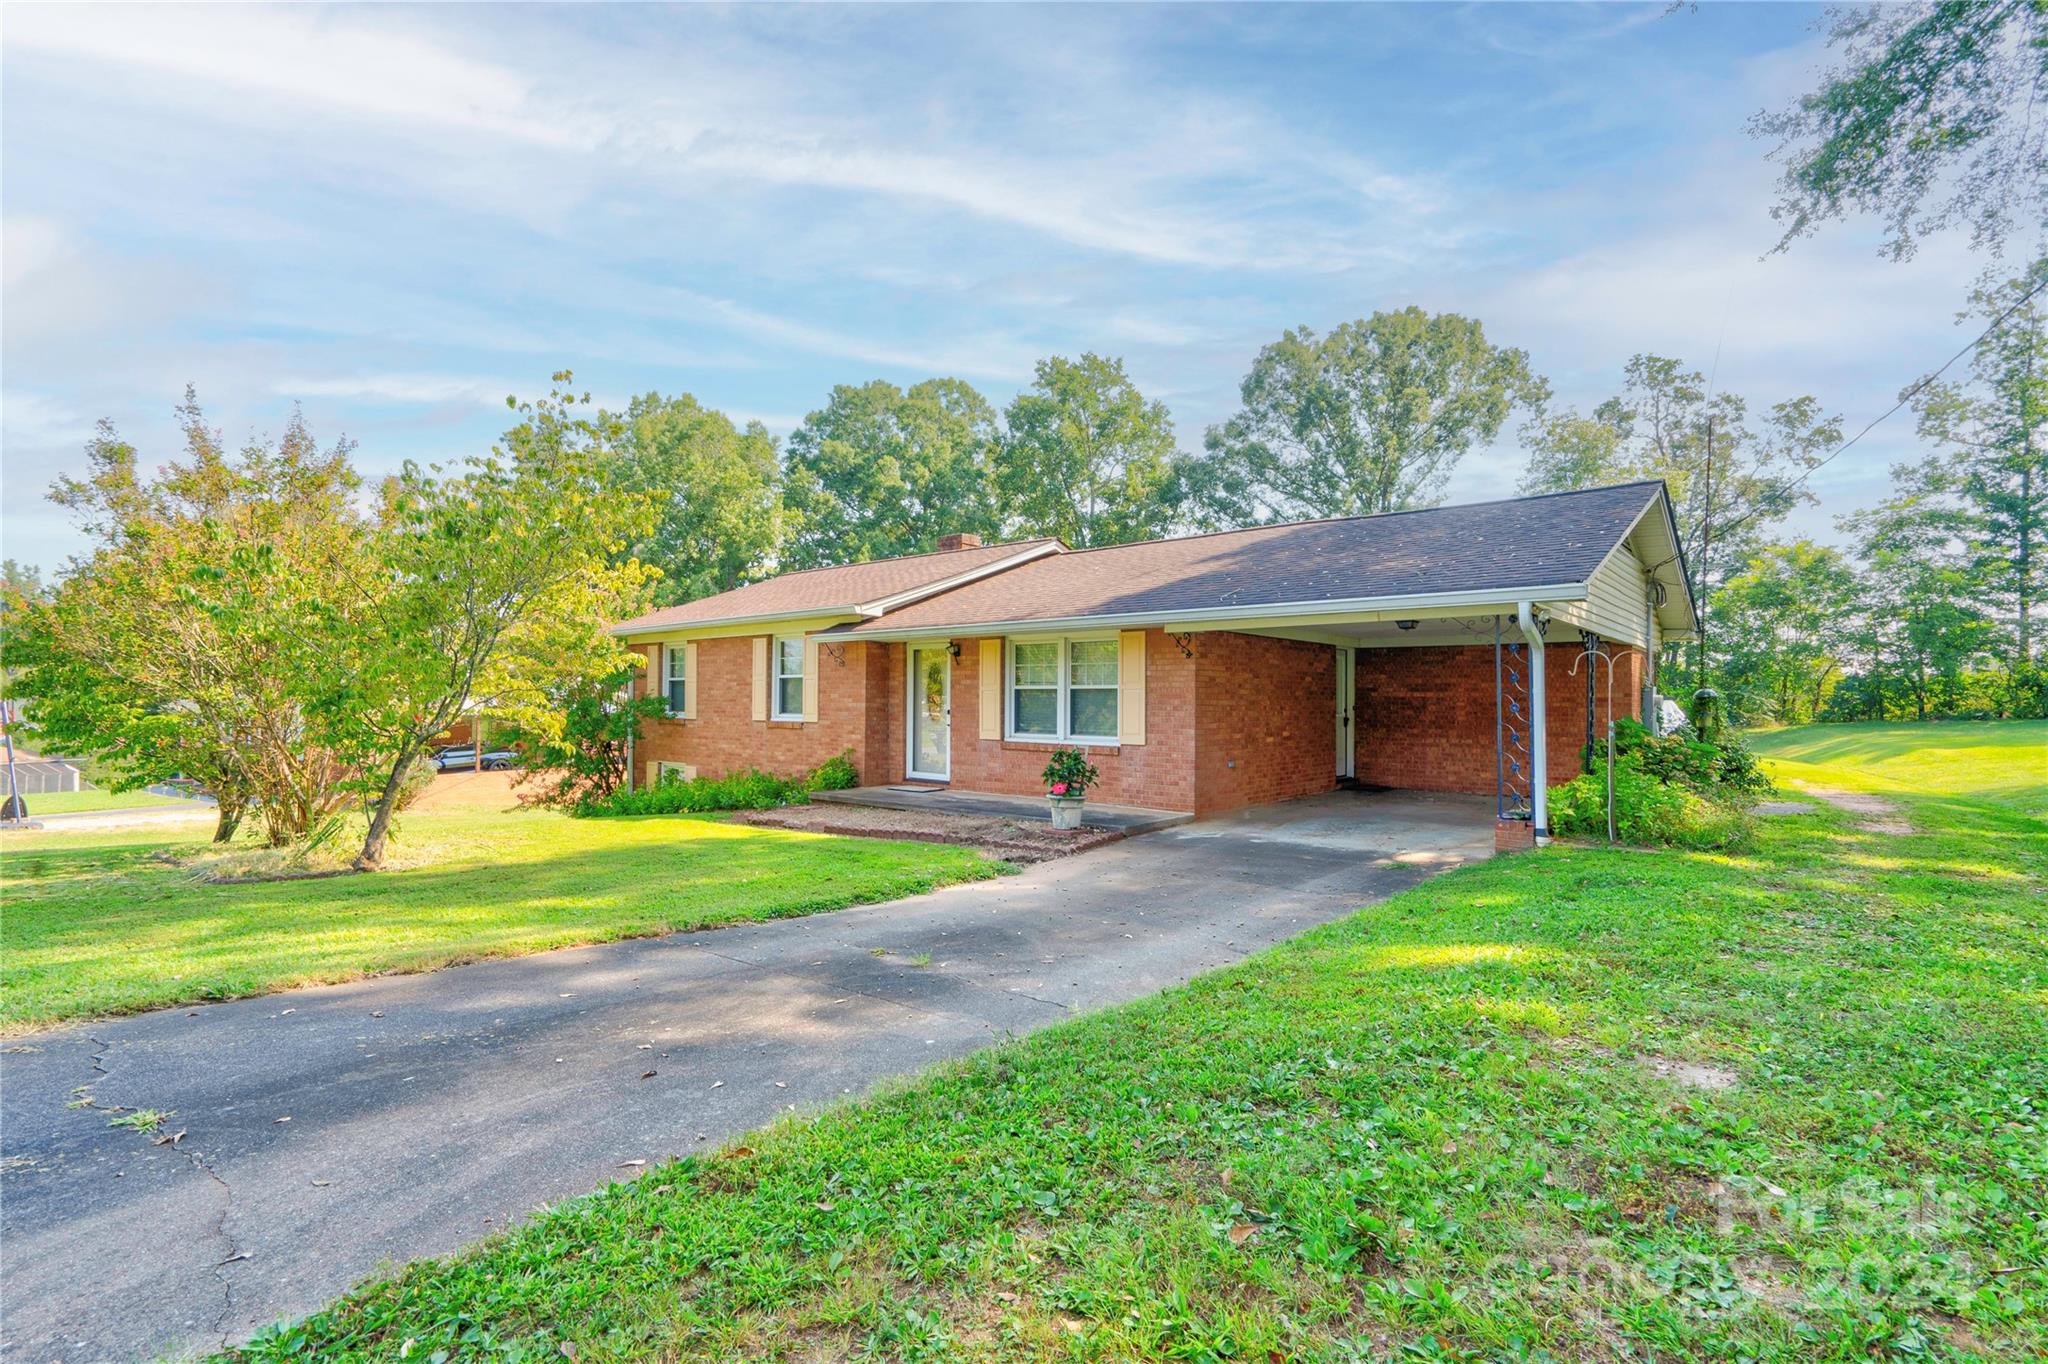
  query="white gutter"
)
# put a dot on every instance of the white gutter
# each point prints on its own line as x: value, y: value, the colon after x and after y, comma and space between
x: 676, y: 627
x: 1539, y: 741
x: 1199, y: 616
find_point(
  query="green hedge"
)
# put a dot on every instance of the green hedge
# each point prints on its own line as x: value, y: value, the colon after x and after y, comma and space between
x: 751, y: 789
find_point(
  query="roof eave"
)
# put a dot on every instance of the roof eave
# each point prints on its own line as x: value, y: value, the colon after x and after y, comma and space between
x: 1494, y: 596
x: 629, y: 630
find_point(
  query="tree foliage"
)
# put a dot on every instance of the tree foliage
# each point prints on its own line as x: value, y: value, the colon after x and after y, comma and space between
x: 1933, y: 120
x: 175, y: 646
x: 493, y: 583
x: 1727, y: 472
x: 1372, y: 417
x: 714, y: 494
x: 879, y: 472
x: 1990, y: 470
x: 1087, y: 457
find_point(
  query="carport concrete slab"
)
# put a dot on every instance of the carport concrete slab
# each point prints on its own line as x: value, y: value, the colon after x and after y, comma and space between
x: 427, y: 1111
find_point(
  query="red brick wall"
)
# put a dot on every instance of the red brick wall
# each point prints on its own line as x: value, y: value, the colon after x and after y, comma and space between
x: 1266, y: 720
x: 1247, y: 720
x: 1159, y: 772
x: 1425, y: 715
x: 725, y: 737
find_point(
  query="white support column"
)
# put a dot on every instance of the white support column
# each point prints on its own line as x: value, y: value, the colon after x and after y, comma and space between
x: 1539, y: 725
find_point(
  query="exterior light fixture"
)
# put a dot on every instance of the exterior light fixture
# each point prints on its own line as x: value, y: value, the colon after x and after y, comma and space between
x: 1405, y: 624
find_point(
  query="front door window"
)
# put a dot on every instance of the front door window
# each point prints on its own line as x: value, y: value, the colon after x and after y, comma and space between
x: 930, y: 704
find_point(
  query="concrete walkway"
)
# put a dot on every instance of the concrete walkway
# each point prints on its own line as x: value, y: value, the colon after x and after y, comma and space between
x: 1126, y: 819
x: 334, y: 1132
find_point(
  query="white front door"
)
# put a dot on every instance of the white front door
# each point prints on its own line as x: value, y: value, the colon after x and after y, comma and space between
x: 931, y: 712
x: 1347, y: 701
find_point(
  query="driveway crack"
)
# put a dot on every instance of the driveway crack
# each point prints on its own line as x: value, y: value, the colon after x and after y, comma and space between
x: 86, y: 1099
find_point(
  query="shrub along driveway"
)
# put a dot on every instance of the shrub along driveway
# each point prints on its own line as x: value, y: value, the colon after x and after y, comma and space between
x: 328, y: 1131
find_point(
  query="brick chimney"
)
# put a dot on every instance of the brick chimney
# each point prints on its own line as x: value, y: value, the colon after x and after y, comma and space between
x: 965, y: 539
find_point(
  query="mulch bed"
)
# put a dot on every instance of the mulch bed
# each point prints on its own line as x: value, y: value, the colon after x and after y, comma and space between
x: 1012, y: 840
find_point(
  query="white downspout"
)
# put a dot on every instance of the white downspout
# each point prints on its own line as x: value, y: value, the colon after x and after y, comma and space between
x: 1539, y: 725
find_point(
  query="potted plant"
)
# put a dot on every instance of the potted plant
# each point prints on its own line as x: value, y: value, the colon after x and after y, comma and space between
x: 1067, y: 779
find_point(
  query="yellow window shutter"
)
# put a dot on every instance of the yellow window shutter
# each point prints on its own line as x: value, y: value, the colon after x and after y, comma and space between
x: 690, y: 680
x: 760, y: 677
x: 654, y: 679
x: 991, y: 689
x: 810, y: 679
x: 1130, y: 709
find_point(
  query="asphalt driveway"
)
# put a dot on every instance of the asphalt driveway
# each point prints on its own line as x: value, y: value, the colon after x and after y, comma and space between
x: 332, y: 1133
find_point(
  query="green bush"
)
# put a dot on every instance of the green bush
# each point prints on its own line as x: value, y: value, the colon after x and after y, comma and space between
x: 752, y: 789
x: 1646, y: 811
x: 1668, y: 789
x: 834, y: 774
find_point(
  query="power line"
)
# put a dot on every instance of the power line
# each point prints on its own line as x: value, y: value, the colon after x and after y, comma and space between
x: 1763, y: 503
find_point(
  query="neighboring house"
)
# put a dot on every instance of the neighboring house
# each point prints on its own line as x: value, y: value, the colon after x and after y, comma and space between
x: 1203, y: 673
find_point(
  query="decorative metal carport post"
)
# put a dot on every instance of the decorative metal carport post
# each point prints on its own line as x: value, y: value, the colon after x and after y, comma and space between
x: 1520, y: 748
x: 1512, y: 760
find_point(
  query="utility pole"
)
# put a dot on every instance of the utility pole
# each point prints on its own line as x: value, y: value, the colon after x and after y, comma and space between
x: 1699, y: 652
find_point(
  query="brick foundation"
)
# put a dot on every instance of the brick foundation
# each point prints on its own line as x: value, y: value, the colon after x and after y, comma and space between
x: 1513, y: 835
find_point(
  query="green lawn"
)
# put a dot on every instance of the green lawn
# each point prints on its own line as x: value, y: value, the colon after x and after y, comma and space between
x: 2003, y: 760
x: 78, y: 802
x: 1452, y: 1127
x: 98, y: 923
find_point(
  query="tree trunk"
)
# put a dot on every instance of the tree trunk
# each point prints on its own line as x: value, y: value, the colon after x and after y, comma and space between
x: 372, y: 855
x: 227, y: 819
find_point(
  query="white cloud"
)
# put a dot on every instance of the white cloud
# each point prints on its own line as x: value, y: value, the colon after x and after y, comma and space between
x: 303, y: 56
x: 400, y: 388
x: 1190, y: 191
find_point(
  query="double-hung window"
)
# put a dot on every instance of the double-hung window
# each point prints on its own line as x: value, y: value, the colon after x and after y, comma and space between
x: 676, y: 679
x: 1064, y: 689
x: 789, y: 677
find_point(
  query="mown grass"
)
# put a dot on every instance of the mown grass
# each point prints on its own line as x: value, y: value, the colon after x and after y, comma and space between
x: 101, y: 922
x: 80, y: 802
x: 2001, y: 760
x: 1456, y: 1126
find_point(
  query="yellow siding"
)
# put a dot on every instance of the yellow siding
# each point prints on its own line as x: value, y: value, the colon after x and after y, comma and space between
x: 1615, y: 599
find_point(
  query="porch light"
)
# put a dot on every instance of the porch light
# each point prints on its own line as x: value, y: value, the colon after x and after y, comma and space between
x: 1405, y: 624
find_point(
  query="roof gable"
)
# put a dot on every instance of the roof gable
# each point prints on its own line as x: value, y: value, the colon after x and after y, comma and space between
x: 850, y: 590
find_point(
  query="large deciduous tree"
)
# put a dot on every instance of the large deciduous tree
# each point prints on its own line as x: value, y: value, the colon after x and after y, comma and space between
x: 177, y: 645
x: 1088, y: 458
x: 1372, y: 417
x: 1728, y: 473
x: 1921, y: 625
x: 491, y: 583
x: 713, y: 486
x: 881, y: 471
x: 1991, y: 436
x: 1934, y: 119
x: 1788, y: 621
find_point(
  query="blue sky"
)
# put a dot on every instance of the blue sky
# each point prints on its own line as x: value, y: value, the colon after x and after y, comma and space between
x: 396, y: 216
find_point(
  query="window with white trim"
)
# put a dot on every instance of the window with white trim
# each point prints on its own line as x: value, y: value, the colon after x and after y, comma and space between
x: 1064, y: 689
x: 677, y: 679
x: 675, y: 772
x: 789, y: 677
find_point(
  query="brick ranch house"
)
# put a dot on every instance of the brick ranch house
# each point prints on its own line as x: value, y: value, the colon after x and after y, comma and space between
x: 1204, y: 673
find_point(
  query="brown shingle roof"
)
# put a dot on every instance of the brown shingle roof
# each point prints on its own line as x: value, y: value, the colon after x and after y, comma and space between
x: 1502, y: 546
x: 831, y: 591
